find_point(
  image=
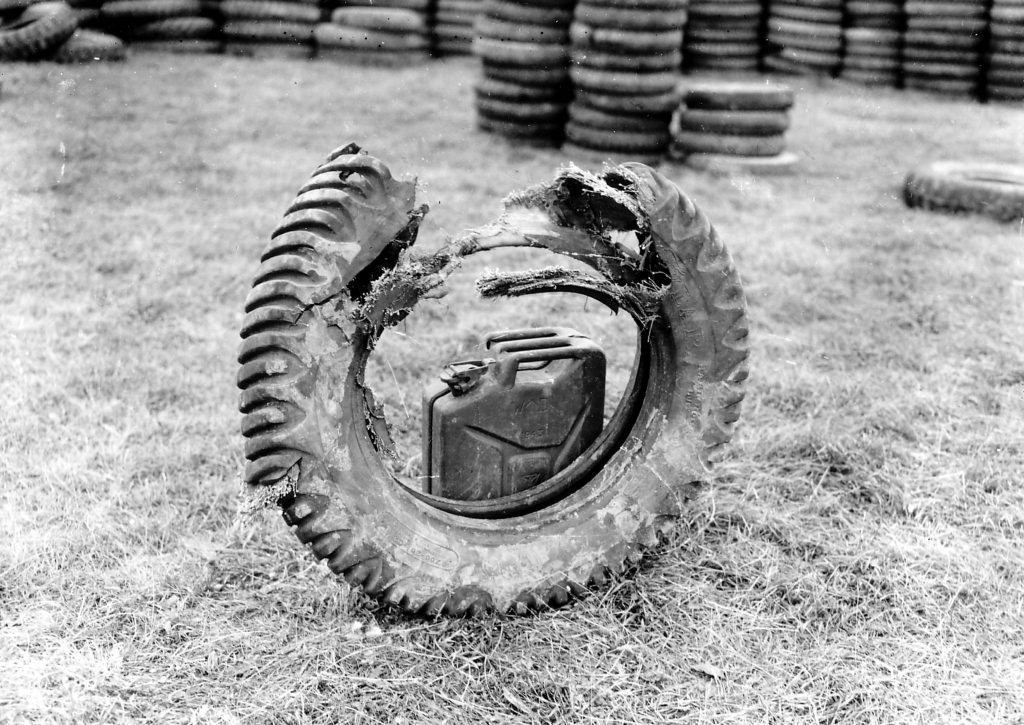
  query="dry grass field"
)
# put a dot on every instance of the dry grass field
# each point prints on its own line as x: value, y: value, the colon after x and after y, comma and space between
x: 859, y: 558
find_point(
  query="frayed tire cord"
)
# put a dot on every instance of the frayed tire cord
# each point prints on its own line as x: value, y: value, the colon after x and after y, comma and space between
x: 339, y: 270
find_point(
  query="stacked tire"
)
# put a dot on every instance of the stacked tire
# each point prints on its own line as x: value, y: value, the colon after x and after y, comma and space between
x: 453, y: 26
x: 374, y: 35
x: 87, y: 12
x: 871, y: 42
x: 164, y: 25
x: 805, y: 36
x: 34, y: 32
x: 734, y: 126
x: 525, y: 86
x: 1004, y: 78
x: 275, y: 28
x: 942, y: 47
x: 723, y: 35
x: 90, y: 46
x: 625, y: 59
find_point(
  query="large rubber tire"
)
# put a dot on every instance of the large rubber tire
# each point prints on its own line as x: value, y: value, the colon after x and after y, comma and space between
x: 978, y: 188
x: 36, y: 31
x: 338, y: 270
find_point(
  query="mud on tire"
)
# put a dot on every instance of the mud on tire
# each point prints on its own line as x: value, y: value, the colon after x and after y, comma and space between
x: 339, y: 269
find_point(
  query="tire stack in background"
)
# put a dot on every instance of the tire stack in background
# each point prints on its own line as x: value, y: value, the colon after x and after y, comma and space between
x: 871, y: 42
x: 723, y: 35
x: 1004, y: 77
x: 734, y: 126
x: 525, y: 86
x: 942, y: 46
x: 374, y: 35
x: 625, y: 64
x: 181, y: 26
x: 275, y: 28
x: 805, y: 36
x: 453, y: 24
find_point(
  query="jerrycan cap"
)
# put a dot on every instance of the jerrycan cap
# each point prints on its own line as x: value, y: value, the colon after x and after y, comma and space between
x: 463, y: 376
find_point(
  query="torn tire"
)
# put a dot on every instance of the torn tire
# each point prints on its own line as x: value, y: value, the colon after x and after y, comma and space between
x: 339, y: 269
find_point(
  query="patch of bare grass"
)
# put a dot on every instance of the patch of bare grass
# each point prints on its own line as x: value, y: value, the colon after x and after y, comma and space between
x: 858, y: 559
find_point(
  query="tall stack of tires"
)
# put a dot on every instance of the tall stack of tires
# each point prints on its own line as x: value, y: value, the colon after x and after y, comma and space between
x: 525, y: 86
x: 734, y: 126
x: 871, y: 42
x: 942, y: 47
x: 625, y: 60
x: 183, y: 26
x: 34, y: 32
x: 277, y: 28
x: 723, y: 35
x: 453, y: 26
x: 805, y: 36
x: 1004, y: 79
x: 376, y: 35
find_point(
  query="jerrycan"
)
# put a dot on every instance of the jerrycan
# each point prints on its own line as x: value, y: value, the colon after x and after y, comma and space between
x: 507, y: 422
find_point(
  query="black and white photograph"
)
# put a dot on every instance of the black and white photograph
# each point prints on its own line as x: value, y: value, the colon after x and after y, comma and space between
x: 583, y: 362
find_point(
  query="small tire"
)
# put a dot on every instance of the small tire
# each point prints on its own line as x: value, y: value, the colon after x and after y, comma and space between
x: 993, y: 189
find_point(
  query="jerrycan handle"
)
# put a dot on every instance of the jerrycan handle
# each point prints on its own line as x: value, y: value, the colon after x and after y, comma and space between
x: 506, y: 367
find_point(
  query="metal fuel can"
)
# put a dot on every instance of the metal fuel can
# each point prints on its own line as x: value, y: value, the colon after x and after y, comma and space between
x: 504, y: 423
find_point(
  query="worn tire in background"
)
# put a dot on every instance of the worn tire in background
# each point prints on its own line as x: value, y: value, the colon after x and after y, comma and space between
x: 994, y: 189
x: 36, y: 31
x: 339, y: 270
